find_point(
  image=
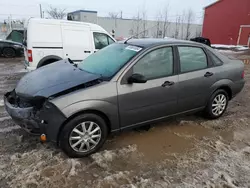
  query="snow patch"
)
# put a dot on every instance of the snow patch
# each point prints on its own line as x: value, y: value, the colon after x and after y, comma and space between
x: 9, y: 129
x: 104, y: 158
x: 1, y: 102
x: 74, y: 163
x: 4, y: 118
x: 23, y: 70
x: 230, y: 47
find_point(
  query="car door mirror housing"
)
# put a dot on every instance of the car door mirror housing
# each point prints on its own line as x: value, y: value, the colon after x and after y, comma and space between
x: 137, y: 78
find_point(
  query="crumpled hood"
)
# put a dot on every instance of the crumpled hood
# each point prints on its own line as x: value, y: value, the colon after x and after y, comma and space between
x: 53, y: 79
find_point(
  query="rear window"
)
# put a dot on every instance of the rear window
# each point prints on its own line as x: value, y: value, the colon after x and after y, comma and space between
x: 215, y: 59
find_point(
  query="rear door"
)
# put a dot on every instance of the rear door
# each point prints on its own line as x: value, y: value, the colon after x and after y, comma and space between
x: 101, y: 40
x: 196, y: 76
x: 77, y: 43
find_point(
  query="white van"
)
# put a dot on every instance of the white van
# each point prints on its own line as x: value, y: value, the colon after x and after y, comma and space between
x: 50, y: 40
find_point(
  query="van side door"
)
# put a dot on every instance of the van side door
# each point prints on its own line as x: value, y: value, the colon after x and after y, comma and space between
x: 76, y: 42
x: 101, y: 40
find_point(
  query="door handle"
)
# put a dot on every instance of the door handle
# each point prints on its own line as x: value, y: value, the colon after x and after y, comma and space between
x: 87, y: 51
x: 167, y: 83
x: 208, y: 74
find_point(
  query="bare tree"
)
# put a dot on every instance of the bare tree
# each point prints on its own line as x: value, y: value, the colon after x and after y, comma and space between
x: 56, y: 13
x: 183, y: 24
x: 113, y: 15
x: 165, y: 21
x: 190, y: 17
x: 138, y: 23
x: 135, y: 26
x: 177, y: 27
x: 144, y: 23
x: 198, y: 32
x: 158, y: 24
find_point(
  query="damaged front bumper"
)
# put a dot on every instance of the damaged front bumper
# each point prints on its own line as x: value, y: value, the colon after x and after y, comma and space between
x: 46, y: 120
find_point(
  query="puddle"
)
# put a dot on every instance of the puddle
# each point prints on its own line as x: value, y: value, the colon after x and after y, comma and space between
x: 162, y: 140
x: 242, y: 135
x: 227, y: 136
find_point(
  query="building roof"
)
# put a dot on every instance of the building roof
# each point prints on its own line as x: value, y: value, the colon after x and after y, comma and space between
x: 88, y: 11
x: 145, y: 43
x: 213, y: 4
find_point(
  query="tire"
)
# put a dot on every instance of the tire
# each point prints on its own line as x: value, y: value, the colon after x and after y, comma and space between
x: 9, y: 52
x: 81, y: 145
x: 47, y: 62
x: 210, y: 111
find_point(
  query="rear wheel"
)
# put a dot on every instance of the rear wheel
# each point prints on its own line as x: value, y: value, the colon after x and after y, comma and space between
x: 47, y: 62
x: 217, y: 104
x: 9, y: 52
x: 83, y: 135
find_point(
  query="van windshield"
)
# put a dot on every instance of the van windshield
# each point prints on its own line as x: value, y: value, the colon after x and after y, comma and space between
x: 108, y: 61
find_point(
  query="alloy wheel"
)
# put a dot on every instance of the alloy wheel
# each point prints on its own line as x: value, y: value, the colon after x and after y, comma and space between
x: 85, y: 136
x: 219, y: 104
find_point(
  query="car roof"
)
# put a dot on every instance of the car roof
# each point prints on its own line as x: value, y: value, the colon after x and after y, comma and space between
x: 147, y: 43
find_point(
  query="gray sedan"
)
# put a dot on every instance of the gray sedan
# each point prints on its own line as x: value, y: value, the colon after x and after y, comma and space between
x: 125, y: 85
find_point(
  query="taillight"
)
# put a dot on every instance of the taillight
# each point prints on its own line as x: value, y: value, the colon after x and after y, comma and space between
x: 30, y: 58
x: 243, y: 75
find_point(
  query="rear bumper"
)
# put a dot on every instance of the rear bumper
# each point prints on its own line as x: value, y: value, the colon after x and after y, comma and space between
x: 47, y: 120
x: 27, y: 67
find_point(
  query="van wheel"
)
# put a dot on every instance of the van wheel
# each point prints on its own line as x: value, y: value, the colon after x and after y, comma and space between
x: 47, y: 62
x: 217, y: 104
x: 83, y: 135
x: 9, y: 52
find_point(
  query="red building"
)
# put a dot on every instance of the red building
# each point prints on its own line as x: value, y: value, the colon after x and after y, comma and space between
x: 227, y: 22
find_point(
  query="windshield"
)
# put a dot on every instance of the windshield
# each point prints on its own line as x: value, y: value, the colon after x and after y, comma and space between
x: 109, y: 60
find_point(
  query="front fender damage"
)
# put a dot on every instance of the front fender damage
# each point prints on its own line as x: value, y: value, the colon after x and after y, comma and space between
x: 37, y: 116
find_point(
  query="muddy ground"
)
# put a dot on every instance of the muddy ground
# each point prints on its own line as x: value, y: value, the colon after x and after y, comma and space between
x: 186, y: 151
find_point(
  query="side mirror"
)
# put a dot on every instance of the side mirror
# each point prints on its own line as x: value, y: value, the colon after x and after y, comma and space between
x: 137, y: 78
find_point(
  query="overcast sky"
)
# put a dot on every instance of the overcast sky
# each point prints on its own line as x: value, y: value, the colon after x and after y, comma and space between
x: 30, y: 8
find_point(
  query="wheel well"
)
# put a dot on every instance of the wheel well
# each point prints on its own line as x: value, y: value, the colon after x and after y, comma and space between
x: 228, y: 90
x: 96, y: 112
x: 48, y: 61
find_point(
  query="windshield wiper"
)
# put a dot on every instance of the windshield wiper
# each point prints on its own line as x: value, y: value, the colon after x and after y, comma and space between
x: 71, y: 62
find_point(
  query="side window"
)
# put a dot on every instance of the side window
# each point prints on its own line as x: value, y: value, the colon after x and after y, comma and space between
x: 110, y: 40
x: 156, y: 64
x: 215, y: 59
x: 192, y: 58
x: 101, y: 40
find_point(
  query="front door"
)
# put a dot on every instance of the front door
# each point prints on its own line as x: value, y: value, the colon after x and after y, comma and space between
x: 195, y: 78
x: 155, y: 99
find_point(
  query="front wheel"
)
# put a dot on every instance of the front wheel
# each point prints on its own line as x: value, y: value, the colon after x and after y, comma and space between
x: 83, y: 135
x: 217, y: 104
